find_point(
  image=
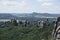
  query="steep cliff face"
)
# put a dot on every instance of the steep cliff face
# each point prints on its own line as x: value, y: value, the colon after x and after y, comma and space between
x: 56, y: 32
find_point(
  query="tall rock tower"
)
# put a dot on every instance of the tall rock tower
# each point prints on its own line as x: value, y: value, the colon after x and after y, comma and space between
x: 56, y: 32
x: 41, y: 24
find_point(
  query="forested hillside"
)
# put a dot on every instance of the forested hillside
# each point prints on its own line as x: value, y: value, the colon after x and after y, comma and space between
x: 12, y: 32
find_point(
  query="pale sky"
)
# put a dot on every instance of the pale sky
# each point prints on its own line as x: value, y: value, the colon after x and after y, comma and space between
x: 28, y: 6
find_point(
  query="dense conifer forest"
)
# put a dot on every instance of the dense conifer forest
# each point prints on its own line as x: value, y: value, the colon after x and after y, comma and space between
x: 34, y: 32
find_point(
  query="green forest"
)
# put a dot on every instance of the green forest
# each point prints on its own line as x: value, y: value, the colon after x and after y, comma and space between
x: 12, y: 32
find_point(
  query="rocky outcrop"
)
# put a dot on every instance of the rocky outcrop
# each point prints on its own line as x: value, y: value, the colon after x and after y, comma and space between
x: 56, y: 31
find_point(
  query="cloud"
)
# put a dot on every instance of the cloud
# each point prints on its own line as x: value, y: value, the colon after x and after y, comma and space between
x: 43, y: 0
x: 49, y: 6
x: 46, y: 4
x: 18, y: 6
x: 12, y: 3
x: 11, y: 6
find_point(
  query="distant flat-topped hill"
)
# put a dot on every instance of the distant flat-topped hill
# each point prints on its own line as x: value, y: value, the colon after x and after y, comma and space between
x: 36, y: 15
x: 6, y: 16
x: 29, y: 16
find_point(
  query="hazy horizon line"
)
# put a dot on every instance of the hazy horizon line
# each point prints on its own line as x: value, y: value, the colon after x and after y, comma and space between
x: 29, y: 13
